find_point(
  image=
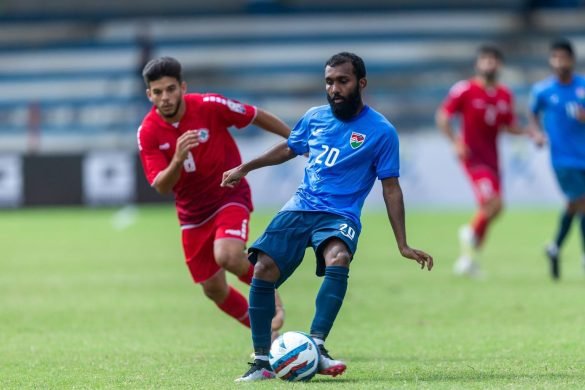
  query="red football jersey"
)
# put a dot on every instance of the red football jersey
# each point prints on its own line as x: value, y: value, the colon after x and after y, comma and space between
x: 198, y: 195
x: 484, y: 111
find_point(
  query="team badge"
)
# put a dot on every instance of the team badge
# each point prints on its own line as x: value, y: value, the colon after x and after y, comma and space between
x: 203, y: 135
x: 356, y: 140
x: 580, y: 93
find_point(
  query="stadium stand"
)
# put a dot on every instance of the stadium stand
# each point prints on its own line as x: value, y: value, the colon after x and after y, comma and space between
x: 75, y: 81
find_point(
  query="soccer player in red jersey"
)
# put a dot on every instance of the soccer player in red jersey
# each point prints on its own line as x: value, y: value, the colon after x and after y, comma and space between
x: 486, y: 107
x: 185, y: 147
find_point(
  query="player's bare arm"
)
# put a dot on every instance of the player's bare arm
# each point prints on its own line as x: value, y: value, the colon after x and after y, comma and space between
x: 395, y: 208
x: 535, y: 131
x: 276, y: 155
x: 271, y: 123
x: 443, y: 122
x: 166, y: 179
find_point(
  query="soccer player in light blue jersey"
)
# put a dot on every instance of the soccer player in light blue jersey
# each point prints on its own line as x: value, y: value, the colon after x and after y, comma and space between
x: 560, y: 100
x: 349, y: 146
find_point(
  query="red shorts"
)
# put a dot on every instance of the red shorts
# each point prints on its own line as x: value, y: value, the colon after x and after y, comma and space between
x: 485, y: 182
x: 229, y: 222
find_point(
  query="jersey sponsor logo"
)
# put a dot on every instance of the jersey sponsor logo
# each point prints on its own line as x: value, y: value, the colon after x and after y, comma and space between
x: 317, y: 132
x: 203, y: 135
x: 356, y: 140
x: 554, y: 99
x: 165, y: 146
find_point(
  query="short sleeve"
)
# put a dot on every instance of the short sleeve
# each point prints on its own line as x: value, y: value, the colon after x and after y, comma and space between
x: 298, y: 140
x: 387, y: 160
x: 153, y: 160
x: 230, y: 112
x: 453, y: 103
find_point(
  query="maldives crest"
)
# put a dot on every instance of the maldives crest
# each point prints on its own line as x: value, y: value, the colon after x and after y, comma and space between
x: 356, y: 140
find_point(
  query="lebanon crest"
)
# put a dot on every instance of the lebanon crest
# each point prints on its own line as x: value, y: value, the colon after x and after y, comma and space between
x: 356, y: 140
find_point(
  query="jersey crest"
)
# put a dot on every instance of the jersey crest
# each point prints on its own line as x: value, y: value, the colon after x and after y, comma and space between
x: 356, y: 140
x: 203, y: 135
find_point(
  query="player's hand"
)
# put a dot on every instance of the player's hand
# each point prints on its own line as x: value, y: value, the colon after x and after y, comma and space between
x: 187, y: 141
x: 461, y: 150
x: 421, y: 257
x: 232, y: 177
x: 539, y: 138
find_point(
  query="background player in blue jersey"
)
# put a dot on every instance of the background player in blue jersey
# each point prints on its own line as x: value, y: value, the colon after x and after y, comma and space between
x: 349, y: 145
x: 561, y: 101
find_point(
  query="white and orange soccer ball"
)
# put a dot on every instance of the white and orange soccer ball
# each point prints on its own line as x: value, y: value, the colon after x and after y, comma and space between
x: 294, y: 356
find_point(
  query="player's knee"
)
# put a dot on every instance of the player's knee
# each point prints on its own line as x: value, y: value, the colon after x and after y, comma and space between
x: 339, y: 259
x: 493, y: 207
x: 266, y: 269
x: 229, y: 259
x: 498, y: 207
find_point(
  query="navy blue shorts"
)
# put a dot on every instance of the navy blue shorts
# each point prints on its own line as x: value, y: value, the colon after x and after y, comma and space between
x: 571, y: 181
x: 290, y: 233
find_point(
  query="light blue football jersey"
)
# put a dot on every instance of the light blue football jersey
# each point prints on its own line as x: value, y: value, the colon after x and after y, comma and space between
x: 558, y: 103
x: 345, y: 158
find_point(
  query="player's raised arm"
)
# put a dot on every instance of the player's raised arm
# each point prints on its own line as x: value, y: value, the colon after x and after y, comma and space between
x: 395, y: 209
x: 276, y: 155
x: 271, y: 123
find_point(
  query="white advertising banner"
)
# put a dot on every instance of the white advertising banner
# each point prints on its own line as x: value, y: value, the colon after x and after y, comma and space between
x: 108, y: 178
x: 11, y: 180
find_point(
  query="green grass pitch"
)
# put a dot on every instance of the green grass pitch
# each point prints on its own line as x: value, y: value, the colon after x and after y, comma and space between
x: 95, y: 299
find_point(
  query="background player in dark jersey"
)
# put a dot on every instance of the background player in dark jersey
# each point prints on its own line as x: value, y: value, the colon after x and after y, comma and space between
x: 485, y: 107
x: 561, y: 101
x: 185, y: 147
x: 350, y: 145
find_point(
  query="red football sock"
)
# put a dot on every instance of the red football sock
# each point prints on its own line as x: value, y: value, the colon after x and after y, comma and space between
x: 480, y: 225
x: 236, y: 306
x: 247, y: 277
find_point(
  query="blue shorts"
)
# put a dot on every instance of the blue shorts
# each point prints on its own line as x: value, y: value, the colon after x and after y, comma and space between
x: 571, y: 181
x: 290, y: 233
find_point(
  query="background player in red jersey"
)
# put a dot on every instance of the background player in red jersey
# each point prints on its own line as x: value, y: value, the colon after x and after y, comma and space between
x: 185, y: 147
x: 485, y: 107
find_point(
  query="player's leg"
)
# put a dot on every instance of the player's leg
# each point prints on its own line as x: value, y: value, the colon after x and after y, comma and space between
x: 276, y: 254
x: 231, y: 235
x: 198, y: 248
x: 552, y: 250
x: 228, y: 299
x: 486, y: 187
x: 335, y: 241
x: 572, y: 183
x: 262, y: 303
x: 337, y: 257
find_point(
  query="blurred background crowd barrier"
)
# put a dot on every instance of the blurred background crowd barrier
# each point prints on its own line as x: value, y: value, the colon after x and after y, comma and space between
x: 72, y: 94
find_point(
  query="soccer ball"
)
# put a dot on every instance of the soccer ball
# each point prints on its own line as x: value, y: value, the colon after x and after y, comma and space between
x: 294, y: 356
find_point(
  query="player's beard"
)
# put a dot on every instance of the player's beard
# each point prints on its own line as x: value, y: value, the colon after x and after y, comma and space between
x: 491, y: 76
x: 175, y: 111
x: 348, y: 107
